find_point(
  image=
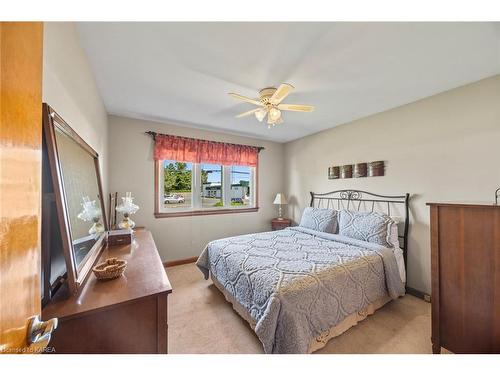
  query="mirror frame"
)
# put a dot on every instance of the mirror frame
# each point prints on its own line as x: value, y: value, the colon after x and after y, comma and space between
x: 76, y: 275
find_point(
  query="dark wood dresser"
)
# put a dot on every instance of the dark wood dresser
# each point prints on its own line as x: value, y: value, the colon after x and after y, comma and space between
x: 465, y: 257
x: 124, y: 315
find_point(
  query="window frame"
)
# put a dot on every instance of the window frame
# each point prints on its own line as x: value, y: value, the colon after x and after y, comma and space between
x: 195, y: 186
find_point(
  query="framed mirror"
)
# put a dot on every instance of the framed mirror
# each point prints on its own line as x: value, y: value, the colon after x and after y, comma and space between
x: 74, y: 167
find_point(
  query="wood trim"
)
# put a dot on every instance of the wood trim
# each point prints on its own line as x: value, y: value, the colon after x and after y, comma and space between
x: 162, y: 323
x: 179, y: 262
x: 47, y: 200
x: 256, y: 190
x: 418, y: 293
x: 160, y: 215
x: 434, y: 224
x: 496, y: 280
x: 157, y: 187
x: 62, y: 125
x: 59, y: 194
x: 51, y: 314
x: 464, y: 204
x: 222, y: 211
x: 51, y: 120
x: 101, y: 195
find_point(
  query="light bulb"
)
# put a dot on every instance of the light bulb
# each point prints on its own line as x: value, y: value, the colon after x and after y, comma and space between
x: 260, y: 114
x: 274, y: 114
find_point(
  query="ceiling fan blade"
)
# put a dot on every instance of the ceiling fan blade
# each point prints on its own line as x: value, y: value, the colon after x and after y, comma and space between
x: 245, y: 99
x: 281, y: 93
x: 296, y: 107
x: 248, y: 113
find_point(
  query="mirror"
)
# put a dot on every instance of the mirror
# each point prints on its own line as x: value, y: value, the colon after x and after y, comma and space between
x: 75, y: 174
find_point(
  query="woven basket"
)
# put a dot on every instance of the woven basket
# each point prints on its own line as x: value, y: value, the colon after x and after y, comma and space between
x: 110, y: 269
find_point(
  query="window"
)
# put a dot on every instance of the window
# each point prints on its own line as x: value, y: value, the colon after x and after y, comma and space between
x: 211, y: 186
x: 185, y: 189
x: 240, y: 178
x: 177, y: 185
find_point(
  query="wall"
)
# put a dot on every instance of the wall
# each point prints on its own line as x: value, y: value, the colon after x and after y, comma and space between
x: 69, y: 87
x: 132, y: 169
x: 442, y: 148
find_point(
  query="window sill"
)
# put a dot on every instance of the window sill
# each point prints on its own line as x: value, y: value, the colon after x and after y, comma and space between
x: 221, y: 211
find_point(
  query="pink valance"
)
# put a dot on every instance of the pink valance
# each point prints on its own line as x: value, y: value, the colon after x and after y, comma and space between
x: 192, y: 150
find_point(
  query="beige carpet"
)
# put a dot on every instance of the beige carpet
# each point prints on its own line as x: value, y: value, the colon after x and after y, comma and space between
x: 201, y: 321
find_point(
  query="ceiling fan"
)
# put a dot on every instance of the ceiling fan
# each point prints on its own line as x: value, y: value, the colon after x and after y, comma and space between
x: 269, y: 104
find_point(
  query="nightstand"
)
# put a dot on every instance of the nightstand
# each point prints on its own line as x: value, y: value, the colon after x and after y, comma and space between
x: 278, y: 224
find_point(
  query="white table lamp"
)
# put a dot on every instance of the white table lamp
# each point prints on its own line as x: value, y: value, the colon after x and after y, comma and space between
x: 281, y: 200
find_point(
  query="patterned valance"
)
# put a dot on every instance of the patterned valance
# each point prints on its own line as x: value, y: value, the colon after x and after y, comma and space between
x: 192, y: 150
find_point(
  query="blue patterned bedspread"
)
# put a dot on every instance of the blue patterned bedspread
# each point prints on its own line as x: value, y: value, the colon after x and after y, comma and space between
x: 297, y: 283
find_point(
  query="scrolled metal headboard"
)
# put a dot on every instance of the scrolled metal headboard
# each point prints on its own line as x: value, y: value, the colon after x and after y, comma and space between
x: 353, y: 199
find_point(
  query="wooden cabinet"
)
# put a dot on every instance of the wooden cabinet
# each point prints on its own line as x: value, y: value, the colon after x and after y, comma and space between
x: 465, y: 257
x: 277, y: 224
x: 124, y: 315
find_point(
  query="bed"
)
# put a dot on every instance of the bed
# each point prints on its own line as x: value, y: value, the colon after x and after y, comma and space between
x: 299, y: 287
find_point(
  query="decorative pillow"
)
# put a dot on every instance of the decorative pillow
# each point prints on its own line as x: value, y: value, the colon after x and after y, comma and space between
x: 320, y: 219
x: 366, y: 226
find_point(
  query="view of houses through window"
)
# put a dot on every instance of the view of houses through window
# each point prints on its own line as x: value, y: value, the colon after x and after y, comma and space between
x: 240, y: 185
x: 211, y: 186
x: 192, y: 186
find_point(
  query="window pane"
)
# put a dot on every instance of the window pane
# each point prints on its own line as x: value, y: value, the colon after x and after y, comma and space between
x: 241, y: 178
x: 211, y: 186
x: 178, y: 178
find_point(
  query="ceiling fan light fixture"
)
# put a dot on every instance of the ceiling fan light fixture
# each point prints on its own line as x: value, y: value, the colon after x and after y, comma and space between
x: 259, y: 115
x: 270, y: 104
x: 274, y: 114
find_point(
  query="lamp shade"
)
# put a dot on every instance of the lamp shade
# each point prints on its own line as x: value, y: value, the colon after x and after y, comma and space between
x: 280, y: 199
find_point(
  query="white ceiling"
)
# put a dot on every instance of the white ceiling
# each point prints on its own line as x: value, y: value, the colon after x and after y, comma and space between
x: 182, y: 72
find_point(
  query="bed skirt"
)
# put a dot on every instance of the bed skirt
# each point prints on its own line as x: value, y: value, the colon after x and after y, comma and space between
x: 321, y: 340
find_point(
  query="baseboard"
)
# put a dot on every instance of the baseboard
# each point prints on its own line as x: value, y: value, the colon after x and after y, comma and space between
x: 178, y: 262
x: 418, y: 294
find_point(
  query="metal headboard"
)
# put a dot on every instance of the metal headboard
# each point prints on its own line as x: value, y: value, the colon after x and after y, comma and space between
x: 352, y: 200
